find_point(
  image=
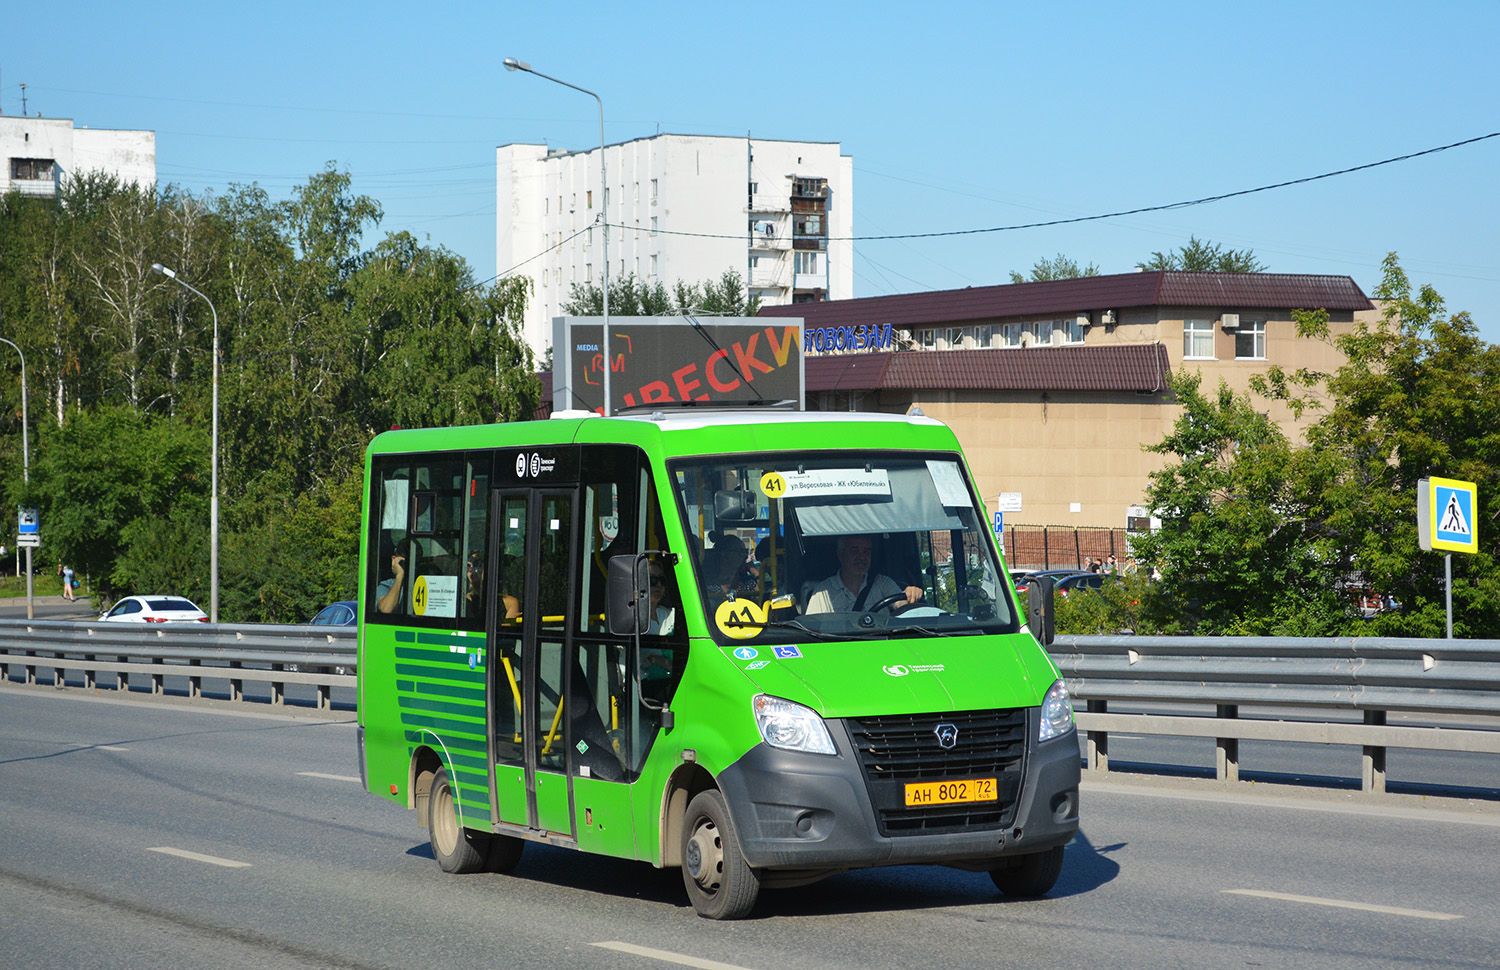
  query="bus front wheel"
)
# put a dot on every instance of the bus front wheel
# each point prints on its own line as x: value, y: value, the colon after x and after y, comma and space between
x: 719, y: 881
x: 454, y: 847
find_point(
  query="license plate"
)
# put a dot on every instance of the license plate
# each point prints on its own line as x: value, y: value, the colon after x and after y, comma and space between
x: 951, y: 792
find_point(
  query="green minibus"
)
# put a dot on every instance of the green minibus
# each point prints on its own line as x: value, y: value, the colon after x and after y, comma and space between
x: 763, y: 646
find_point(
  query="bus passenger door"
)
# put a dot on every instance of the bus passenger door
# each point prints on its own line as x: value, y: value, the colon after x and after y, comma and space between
x: 529, y: 735
x: 512, y: 801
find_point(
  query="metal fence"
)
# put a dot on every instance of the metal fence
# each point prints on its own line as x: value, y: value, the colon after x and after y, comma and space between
x: 1062, y: 547
x: 125, y: 656
x: 1301, y: 689
x: 1299, y: 679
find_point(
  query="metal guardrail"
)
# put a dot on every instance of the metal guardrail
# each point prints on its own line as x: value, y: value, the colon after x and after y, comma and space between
x: 236, y: 653
x: 1304, y: 681
x: 1372, y: 676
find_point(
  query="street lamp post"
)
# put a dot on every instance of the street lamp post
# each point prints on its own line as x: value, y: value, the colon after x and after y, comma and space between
x: 511, y: 64
x: 213, y: 501
x: 25, y: 476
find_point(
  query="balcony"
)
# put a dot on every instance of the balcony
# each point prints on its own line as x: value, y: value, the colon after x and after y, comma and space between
x: 45, y: 188
x: 769, y: 203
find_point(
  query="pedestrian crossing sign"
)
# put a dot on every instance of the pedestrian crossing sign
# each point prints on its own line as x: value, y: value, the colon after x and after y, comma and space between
x: 1446, y: 515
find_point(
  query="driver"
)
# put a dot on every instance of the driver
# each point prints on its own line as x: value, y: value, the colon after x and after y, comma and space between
x: 854, y: 588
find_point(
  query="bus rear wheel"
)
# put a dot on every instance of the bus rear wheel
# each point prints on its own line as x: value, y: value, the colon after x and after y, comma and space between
x: 720, y: 883
x: 454, y: 847
x: 1032, y: 875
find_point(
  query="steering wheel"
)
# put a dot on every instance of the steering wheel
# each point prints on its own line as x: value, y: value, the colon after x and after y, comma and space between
x: 891, y: 600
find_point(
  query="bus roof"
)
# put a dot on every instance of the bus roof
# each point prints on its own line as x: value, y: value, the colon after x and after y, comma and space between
x: 695, y: 432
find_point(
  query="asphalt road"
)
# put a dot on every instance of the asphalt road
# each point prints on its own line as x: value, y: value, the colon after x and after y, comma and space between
x: 171, y: 835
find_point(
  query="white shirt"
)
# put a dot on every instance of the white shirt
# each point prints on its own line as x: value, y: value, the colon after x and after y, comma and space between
x: 832, y: 596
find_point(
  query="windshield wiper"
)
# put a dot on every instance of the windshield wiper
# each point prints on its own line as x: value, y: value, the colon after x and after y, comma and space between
x: 818, y: 634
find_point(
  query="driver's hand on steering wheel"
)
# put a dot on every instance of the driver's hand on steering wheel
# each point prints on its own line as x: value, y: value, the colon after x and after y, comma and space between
x: 913, y: 594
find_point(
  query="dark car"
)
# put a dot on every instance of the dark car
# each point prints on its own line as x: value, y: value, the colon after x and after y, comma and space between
x: 1067, y: 584
x: 336, y: 614
x: 1056, y: 575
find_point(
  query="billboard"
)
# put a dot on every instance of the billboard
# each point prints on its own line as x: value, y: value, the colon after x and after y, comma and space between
x: 720, y: 361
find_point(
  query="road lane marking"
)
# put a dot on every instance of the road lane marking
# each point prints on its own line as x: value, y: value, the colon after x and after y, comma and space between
x: 212, y: 860
x: 668, y: 956
x: 111, y: 747
x: 319, y: 774
x: 1344, y: 904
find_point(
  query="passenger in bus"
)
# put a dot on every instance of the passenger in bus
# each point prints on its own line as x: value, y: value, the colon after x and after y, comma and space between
x: 726, y: 569
x: 474, y: 598
x: 663, y: 617
x: 388, y: 593
x: 854, y: 589
x: 512, y: 577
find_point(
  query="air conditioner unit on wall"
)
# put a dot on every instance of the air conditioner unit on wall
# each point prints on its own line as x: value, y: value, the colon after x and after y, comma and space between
x: 1107, y: 318
x: 1230, y: 321
x: 1084, y: 320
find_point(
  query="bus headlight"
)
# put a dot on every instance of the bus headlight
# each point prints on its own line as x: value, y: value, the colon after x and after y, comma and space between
x: 791, y: 726
x: 1057, y: 712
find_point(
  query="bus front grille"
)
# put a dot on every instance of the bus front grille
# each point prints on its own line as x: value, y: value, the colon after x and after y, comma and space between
x: 903, y: 749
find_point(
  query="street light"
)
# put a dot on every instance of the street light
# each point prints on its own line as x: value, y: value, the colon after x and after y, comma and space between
x: 25, y: 475
x: 213, y: 501
x: 511, y: 64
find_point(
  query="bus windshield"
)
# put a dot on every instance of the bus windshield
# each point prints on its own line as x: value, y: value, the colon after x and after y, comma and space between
x: 792, y: 547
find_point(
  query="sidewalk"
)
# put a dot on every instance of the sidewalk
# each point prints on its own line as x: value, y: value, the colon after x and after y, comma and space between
x: 48, y: 608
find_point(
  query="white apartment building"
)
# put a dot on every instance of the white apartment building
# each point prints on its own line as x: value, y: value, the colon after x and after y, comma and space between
x: 40, y: 153
x: 681, y: 208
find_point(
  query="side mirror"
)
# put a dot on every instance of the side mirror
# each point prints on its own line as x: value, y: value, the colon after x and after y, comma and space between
x: 629, y: 591
x: 1039, y: 601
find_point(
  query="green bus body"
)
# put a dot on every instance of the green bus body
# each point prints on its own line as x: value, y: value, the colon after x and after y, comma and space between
x: 495, y: 698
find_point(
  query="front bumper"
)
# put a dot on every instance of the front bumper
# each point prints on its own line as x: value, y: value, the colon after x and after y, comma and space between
x: 805, y: 811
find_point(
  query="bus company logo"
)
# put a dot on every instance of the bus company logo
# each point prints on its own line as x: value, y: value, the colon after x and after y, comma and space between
x: 536, y: 464
x: 947, y: 735
x: 521, y: 465
x: 896, y: 670
x: 746, y: 653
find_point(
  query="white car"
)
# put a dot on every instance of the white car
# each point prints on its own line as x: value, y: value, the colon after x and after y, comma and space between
x: 154, y: 609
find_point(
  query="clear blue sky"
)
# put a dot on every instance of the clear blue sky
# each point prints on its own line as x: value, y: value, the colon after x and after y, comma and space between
x: 958, y: 116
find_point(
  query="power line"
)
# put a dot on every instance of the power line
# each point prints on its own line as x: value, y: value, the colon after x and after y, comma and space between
x: 1105, y: 215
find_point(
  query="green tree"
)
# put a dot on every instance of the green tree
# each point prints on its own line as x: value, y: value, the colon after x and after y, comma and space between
x: 1061, y: 268
x: 1200, y: 256
x: 110, y: 475
x: 1237, y: 550
x: 446, y: 352
x: 629, y: 297
x: 1419, y: 396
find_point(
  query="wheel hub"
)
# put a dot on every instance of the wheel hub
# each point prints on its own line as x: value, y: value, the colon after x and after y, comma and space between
x: 704, y: 857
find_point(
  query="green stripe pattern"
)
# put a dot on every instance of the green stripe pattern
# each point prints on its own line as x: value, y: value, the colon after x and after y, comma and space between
x: 440, y: 680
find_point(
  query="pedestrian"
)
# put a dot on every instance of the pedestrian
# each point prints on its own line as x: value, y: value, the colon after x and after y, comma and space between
x: 67, y: 575
x: 1094, y: 565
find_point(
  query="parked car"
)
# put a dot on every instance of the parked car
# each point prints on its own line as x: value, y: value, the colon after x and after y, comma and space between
x: 154, y: 609
x: 1056, y: 575
x: 336, y: 614
x: 1067, y: 584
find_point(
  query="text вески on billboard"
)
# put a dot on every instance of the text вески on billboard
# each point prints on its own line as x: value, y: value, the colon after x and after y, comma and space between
x: 662, y: 360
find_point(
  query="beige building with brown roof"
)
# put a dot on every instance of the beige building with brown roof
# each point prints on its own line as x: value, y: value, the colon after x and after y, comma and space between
x: 1055, y: 388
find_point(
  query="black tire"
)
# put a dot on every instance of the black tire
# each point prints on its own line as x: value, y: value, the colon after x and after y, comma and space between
x: 455, y: 848
x: 1032, y: 876
x: 720, y: 883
